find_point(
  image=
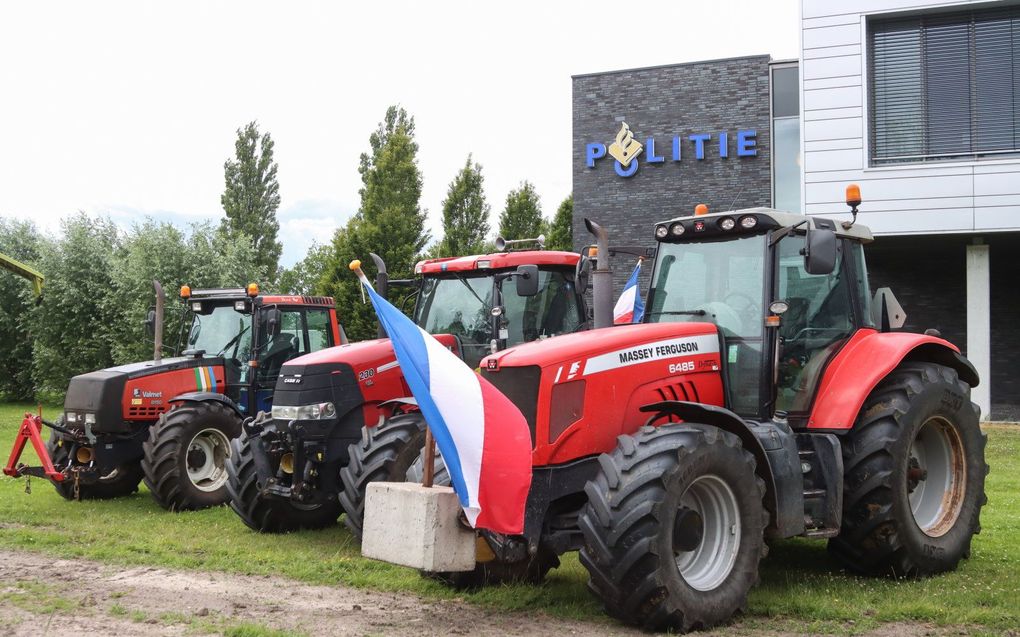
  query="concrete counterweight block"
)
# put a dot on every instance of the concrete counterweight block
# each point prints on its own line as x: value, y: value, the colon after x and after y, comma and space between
x: 415, y: 526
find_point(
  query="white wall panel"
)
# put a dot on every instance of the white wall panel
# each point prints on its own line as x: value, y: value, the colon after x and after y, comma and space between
x: 832, y: 82
x: 841, y: 66
x: 833, y: 98
x: 834, y: 129
x: 832, y: 36
x: 834, y: 144
x: 834, y: 160
x: 919, y: 221
x: 997, y: 184
x: 997, y: 218
x: 833, y: 113
x: 832, y: 51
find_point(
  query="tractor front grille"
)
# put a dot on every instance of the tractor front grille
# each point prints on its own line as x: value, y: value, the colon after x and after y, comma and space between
x: 520, y: 385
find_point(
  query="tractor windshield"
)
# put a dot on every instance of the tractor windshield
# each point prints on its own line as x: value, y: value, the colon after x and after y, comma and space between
x: 221, y: 331
x: 460, y: 304
x: 720, y: 282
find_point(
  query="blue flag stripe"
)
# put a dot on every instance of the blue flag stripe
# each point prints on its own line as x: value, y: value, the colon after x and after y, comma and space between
x: 409, y: 346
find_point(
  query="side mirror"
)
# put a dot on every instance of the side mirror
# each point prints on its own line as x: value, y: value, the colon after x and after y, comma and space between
x: 150, y: 323
x: 820, y: 251
x: 582, y: 274
x: 886, y: 311
x: 274, y: 318
x: 527, y: 280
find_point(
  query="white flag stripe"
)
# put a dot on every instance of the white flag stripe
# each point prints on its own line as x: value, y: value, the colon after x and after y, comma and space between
x: 455, y: 390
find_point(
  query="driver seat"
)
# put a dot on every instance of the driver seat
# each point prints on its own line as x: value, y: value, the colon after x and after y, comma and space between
x: 282, y: 349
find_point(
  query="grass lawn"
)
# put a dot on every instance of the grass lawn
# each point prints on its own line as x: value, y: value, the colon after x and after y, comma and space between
x: 800, y: 586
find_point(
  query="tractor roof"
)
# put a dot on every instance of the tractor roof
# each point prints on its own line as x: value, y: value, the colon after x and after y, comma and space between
x: 233, y: 294
x: 496, y: 261
x: 781, y: 220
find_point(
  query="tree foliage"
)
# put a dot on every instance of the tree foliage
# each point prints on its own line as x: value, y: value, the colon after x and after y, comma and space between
x: 252, y: 196
x: 561, y: 231
x: 465, y: 213
x: 304, y: 276
x: 522, y: 216
x: 390, y: 221
x: 19, y: 240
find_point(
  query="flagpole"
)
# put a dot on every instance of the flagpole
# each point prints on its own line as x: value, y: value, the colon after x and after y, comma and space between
x: 428, y: 472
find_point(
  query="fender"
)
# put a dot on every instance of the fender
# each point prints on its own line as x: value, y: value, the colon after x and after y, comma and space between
x: 867, y: 358
x: 774, y: 447
x: 396, y: 404
x: 206, y: 396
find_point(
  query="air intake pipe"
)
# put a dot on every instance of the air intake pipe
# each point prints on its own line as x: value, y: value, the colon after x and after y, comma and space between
x: 382, y: 283
x: 157, y: 353
x: 602, y: 277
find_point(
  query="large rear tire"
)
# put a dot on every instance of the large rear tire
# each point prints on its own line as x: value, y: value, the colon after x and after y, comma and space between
x: 187, y: 453
x: 118, y: 483
x: 674, y: 527
x: 383, y: 454
x: 269, y: 515
x: 529, y: 571
x: 914, y: 476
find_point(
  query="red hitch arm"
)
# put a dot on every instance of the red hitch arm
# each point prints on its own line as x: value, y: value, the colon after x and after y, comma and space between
x: 31, y: 428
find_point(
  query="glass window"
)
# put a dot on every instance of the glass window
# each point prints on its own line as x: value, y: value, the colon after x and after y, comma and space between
x: 320, y: 332
x: 786, y: 164
x: 458, y: 305
x: 815, y: 325
x: 218, y: 330
x: 719, y: 282
x: 554, y: 310
x: 786, y: 91
x: 287, y: 344
x: 945, y: 85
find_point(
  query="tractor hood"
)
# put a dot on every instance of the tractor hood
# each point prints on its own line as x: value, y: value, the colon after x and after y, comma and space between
x: 137, y: 391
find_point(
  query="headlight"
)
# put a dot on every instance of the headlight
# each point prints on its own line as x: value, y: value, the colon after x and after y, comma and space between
x: 727, y: 223
x: 90, y: 419
x: 748, y: 222
x: 661, y: 232
x: 317, y: 411
x: 71, y: 417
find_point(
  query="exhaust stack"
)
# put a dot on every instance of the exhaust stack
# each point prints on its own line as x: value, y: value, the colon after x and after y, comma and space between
x: 157, y: 354
x: 602, y: 277
x: 382, y: 284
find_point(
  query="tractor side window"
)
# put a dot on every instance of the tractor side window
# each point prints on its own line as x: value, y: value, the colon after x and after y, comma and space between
x: 554, y: 310
x: 816, y: 325
x: 320, y: 332
x: 279, y: 349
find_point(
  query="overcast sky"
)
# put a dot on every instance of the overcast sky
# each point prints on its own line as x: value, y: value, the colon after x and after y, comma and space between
x: 129, y: 109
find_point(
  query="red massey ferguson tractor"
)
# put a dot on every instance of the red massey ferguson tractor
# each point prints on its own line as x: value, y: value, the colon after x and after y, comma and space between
x: 312, y: 456
x: 764, y: 396
x: 170, y: 421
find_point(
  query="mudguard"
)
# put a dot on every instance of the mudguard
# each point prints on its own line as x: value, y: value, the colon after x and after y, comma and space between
x: 206, y: 396
x: 864, y: 361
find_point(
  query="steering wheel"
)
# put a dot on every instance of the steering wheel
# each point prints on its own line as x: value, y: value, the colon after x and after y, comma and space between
x: 749, y: 303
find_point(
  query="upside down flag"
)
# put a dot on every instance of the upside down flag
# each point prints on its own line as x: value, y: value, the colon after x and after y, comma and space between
x: 630, y: 308
x: 483, y: 437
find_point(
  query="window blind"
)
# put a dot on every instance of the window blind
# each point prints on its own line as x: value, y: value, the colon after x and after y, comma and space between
x: 945, y: 85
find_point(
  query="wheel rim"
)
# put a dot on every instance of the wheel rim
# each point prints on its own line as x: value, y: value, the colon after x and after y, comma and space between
x: 206, y: 459
x: 935, y: 471
x: 710, y: 504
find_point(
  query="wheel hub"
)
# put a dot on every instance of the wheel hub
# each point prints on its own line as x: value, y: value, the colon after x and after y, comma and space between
x: 706, y: 533
x: 935, y: 476
x: 206, y: 460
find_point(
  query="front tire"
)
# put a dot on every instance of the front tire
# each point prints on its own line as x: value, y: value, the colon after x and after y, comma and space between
x: 674, y: 527
x: 383, y: 454
x: 269, y: 515
x: 187, y: 453
x: 914, y: 476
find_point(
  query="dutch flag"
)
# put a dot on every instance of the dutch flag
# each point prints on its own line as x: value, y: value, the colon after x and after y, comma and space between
x: 630, y: 308
x: 483, y: 437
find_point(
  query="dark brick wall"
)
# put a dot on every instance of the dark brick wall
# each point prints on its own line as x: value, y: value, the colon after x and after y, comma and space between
x: 928, y: 275
x: 684, y: 99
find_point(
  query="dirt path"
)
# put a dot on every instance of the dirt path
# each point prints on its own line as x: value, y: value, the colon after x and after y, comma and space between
x: 40, y: 595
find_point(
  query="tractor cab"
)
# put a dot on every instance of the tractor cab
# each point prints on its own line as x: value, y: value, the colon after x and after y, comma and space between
x: 253, y: 335
x: 785, y: 291
x: 472, y: 299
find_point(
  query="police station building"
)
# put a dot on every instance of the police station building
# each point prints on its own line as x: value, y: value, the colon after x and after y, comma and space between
x: 916, y: 101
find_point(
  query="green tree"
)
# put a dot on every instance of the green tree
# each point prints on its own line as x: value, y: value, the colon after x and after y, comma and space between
x: 20, y: 240
x: 465, y: 213
x: 200, y: 258
x: 304, y: 276
x: 561, y: 231
x: 390, y: 221
x: 75, y: 326
x: 522, y: 217
x: 252, y: 196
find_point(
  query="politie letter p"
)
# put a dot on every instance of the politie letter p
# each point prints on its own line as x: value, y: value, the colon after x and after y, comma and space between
x: 594, y: 151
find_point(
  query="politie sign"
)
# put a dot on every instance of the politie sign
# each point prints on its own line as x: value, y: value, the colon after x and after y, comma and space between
x: 626, y: 150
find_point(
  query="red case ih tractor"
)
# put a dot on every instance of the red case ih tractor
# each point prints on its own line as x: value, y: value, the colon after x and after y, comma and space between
x: 763, y: 397
x: 170, y: 421
x: 310, y: 459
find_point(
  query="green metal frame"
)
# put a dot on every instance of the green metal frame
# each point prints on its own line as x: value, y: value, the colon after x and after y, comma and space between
x: 25, y: 271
